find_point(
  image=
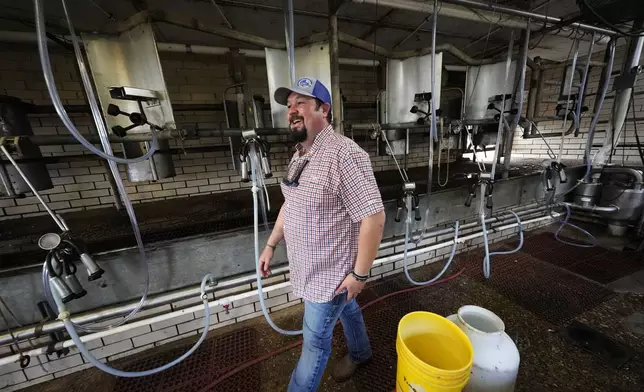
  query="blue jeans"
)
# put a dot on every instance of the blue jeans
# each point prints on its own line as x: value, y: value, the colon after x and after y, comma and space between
x: 319, y: 321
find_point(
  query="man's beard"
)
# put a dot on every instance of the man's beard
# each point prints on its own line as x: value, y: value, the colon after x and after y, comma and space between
x: 298, y: 135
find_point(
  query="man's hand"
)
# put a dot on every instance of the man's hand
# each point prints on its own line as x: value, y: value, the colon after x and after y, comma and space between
x: 353, y: 286
x: 265, y: 261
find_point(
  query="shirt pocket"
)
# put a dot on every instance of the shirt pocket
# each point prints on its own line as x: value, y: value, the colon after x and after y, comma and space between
x: 316, y: 194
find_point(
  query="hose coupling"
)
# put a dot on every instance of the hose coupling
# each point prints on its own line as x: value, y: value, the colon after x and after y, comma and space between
x: 64, y: 315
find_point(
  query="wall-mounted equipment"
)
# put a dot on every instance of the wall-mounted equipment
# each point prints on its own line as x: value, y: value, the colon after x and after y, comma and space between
x: 408, y: 96
x: 127, y: 74
x: 310, y: 60
x: 484, y: 84
x: 14, y: 122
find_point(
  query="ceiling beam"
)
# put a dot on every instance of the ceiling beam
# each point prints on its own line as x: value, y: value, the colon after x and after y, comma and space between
x: 341, y: 18
x: 497, y: 29
x: 377, y: 25
x: 223, y: 16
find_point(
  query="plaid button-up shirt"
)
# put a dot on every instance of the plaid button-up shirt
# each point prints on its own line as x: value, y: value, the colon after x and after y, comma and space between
x: 323, y: 209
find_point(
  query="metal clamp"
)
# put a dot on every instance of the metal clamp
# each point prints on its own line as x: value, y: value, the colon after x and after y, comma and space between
x: 408, y: 191
x: 249, y: 134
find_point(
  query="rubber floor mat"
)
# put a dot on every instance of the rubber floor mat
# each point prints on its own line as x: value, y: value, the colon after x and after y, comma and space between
x: 612, y: 353
x: 214, y: 358
x: 596, y: 263
x: 610, y: 266
x: 548, y: 291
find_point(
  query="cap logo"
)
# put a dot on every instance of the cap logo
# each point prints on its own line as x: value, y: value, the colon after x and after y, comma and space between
x: 305, y: 83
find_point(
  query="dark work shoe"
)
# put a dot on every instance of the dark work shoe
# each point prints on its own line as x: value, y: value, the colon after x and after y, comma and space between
x: 345, y: 369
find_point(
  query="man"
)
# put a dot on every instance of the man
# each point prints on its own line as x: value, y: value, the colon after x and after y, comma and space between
x: 332, y: 221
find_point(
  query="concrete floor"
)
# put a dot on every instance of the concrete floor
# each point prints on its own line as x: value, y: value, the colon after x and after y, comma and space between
x: 548, y: 362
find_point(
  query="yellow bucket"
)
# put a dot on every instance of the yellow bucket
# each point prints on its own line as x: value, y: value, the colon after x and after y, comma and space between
x: 433, y: 354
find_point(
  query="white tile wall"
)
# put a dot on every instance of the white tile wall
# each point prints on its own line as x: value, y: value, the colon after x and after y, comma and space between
x: 155, y: 336
x: 112, y: 349
x: 126, y: 335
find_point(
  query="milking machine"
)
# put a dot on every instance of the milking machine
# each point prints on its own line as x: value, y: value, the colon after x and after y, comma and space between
x: 254, y: 161
x: 59, y: 276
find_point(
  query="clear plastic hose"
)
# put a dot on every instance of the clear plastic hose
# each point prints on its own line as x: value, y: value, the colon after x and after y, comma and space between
x: 103, y: 134
x: 566, y: 223
x: 255, y: 168
x: 64, y: 316
x: 408, y: 221
x: 487, y: 269
x: 55, y: 98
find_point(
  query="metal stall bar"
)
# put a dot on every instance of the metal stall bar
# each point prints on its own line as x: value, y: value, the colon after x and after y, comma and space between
x: 509, y: 135
x: 56, y: 140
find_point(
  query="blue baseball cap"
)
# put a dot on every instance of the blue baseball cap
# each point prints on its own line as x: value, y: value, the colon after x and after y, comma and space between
x: 310, y: 87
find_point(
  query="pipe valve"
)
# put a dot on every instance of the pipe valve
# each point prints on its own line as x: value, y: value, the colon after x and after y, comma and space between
x: 408, y: 192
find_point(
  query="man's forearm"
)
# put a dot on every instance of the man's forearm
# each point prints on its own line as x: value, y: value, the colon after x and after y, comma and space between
x: 369, y: 241
x: 278, y: 230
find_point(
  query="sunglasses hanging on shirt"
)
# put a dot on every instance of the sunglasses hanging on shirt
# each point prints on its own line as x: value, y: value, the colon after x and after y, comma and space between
x: 295, y: 169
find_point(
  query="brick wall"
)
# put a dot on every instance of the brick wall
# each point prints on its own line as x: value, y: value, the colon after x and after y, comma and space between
x: 191, y: 79
x: 573, y: 147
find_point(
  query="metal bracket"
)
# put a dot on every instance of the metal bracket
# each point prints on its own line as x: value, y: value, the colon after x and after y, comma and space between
x: 627, y: 80
x: 409, y: 187
x: 13, y: 144
x: 250, y: 134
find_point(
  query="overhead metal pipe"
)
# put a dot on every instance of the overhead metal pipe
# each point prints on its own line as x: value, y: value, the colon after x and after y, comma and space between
x: 289, y: 32
x: 30, y: 38
x: 55, y: 140
x: 509, y: 135
x: 490, y: 13
x: 372, y: 126
x: 334, y: 50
